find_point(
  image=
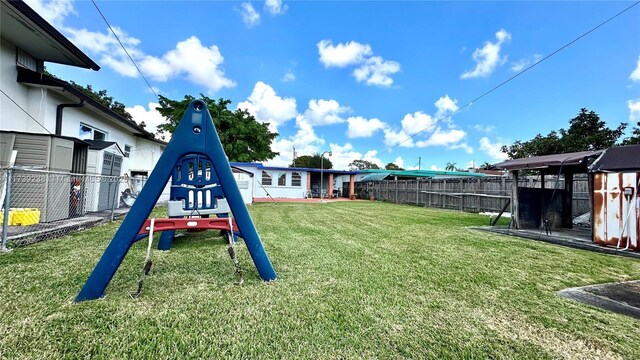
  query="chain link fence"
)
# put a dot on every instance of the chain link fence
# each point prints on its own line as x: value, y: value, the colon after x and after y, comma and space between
x: 46, y: 204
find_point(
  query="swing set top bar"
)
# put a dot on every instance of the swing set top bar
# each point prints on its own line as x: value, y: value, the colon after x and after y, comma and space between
x: 189, y: 223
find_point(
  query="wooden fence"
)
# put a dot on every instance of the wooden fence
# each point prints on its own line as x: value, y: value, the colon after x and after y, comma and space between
x: 467, y: 194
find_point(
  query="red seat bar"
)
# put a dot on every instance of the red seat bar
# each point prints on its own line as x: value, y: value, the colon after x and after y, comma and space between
x: 188, y: 223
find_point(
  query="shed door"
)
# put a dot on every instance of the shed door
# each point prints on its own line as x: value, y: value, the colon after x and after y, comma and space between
x: 111, y: 166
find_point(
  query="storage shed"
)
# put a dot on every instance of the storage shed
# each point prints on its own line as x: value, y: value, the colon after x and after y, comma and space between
x: 616, y: 206
x: 32, y: 187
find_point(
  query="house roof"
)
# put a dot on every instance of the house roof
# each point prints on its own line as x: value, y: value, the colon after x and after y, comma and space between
x: 101, y: 145
x: 30, y: 77
x: 29, y: 31
x: 547, y: 161
x: 619, y: 158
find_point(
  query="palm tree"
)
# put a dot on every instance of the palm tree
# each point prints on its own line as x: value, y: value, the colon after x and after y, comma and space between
x: 450, y: 166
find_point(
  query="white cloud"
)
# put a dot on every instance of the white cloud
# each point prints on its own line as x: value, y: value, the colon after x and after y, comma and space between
x: 436, y: 167
x: 492, y: 149
x: 151, y: 117
x: 361, y: 127
x: 398, y: 161
x: 288, y: 76
x: 484, y: 128
x: 446, y: 106
x: 488, y: 57
x: 397, y: 138
x: 635, y: 75
x: 464, y: 146
x: 267, y: 107
x: 449, y: 138
x: 190, y: 59
x: 416, y: 122
x: 250, y: 16
x: 324, y: 112
x: 342, y: 55
x: 634, y: 110
x: 343, y: 155
x: 376, y: 71
x: 198, y: 63
x: 53, y: 11
x: 305, y: 140
x: 275, y: 7
x: 524, y: 63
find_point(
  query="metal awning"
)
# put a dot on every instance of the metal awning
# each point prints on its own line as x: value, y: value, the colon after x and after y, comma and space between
x: 620, y: 158
x: 547, y: 161
x: 375, y: 177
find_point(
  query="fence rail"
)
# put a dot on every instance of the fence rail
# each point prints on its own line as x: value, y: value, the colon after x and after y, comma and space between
x: 488, y: 194
x: 47, y: 204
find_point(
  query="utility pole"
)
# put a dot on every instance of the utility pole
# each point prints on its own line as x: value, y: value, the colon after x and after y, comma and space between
x: 294, y: 156
x: 419, y: 161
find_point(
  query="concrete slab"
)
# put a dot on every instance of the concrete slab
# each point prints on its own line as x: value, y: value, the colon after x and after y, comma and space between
x: 622, y: 298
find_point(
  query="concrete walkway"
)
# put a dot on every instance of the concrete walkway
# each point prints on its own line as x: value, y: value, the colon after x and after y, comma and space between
x: 622, y: 298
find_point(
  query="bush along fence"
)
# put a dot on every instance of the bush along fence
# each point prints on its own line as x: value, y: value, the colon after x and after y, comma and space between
x: 487, y: 194
x: 47, y: 204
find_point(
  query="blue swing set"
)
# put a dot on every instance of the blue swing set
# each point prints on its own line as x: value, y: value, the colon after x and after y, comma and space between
x: 202, y: 184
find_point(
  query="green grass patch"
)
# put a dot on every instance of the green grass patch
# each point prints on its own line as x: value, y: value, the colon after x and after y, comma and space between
x: 356, y: 280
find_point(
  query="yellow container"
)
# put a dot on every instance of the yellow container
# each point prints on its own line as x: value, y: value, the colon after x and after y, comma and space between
x: 24, y: 217
x: 10, y: 221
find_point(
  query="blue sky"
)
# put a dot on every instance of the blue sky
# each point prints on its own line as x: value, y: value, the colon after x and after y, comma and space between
x: 360, y: 78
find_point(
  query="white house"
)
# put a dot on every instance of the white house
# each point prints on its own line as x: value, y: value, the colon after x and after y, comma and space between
x: 50, y: 123
x: 36, y: 103
x: 298, y: 183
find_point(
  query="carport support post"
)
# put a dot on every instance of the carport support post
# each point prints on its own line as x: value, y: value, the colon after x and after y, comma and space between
x: 515, y: 216
x: 567, y: 213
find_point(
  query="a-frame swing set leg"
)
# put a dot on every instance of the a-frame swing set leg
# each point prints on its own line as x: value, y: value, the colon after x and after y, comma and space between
x: 195, y: 134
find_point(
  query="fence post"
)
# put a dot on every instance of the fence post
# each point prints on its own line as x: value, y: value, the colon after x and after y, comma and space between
x: 7, y: 207
x: 417, y: 191
x: 430, y: 190
x: 396, y: 181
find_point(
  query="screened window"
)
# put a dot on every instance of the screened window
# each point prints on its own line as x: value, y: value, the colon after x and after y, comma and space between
x: 266, y: 178
x: 296, y: 179
x: 282, y: 179
x: 90, y: 133
x: 127, y: 150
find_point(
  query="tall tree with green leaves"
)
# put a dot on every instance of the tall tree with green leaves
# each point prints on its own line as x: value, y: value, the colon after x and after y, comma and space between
x: 393, y: 166
x: 586, y: 132
x: 363, y: 165
x: 312, y: 162
x: 634, y: 138
x: 102, y: 97
x: 242, y: 136
x: 451, y: 166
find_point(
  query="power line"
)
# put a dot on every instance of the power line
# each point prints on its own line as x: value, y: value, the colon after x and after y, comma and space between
x: 25, y: 111
x: 438, y: 120
x: 125, y: 49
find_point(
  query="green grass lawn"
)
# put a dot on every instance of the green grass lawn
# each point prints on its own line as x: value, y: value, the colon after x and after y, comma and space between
x: 356, y: 280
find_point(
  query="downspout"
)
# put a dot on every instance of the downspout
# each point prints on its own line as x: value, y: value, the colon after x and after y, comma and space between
x: 59, y: 111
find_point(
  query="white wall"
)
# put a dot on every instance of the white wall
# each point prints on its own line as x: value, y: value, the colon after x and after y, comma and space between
x: 288, y: 191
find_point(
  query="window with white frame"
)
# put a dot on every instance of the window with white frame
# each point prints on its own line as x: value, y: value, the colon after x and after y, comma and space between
x: 127, y: 150
x: 266, y: 178
x: 296, y: 179
x: 88, y: 132
x: 282, y: 179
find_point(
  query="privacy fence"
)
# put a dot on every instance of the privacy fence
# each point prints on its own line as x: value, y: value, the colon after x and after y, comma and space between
x: 487, y: 194
x: 48, y: 204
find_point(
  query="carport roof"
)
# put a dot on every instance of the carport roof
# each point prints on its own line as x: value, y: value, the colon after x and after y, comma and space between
x: 547, y: 161
x: 620, y: 158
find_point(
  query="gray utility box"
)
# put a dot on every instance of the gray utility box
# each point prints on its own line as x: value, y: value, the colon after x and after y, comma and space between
x: 47, y: 188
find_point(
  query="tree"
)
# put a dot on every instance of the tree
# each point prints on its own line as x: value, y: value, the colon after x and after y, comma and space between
x: 312, y: 162
x: 586, y: 132
x: 635, y: 136
x: 485, y: 166
x: 392, y: 166
x: 363, y: 165
x: 102, y: 97
x: 450, y: 166
x: 243, y: 138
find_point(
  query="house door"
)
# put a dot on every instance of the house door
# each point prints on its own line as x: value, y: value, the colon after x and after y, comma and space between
x: 111, y: 166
